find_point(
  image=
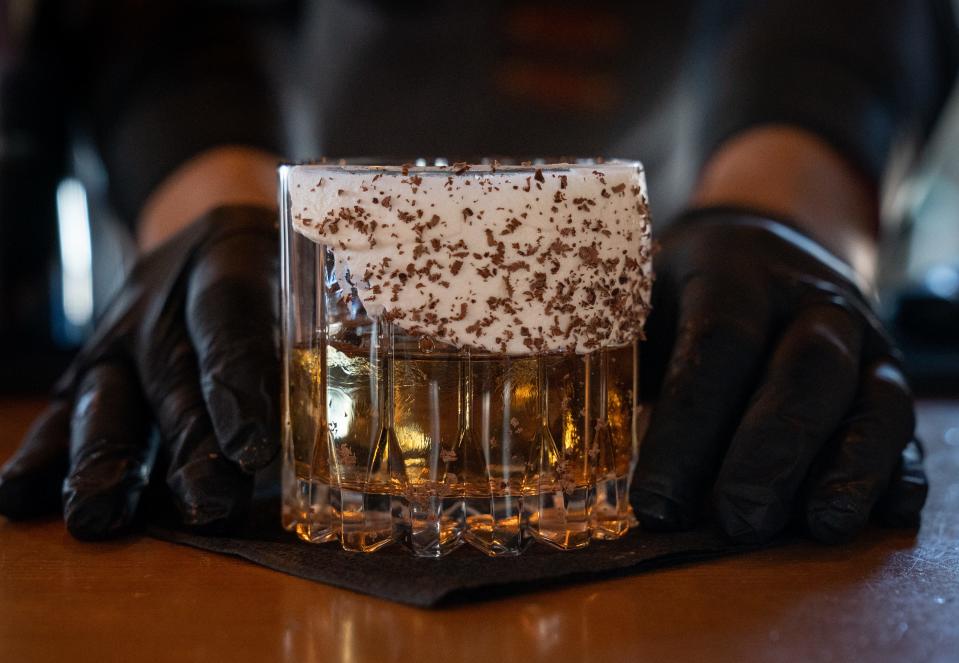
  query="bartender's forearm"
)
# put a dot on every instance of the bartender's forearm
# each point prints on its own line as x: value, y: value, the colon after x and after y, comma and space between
x: 227, y: 175
x: 807, y: 102
x: 790, y: 173
x: 856, y: 73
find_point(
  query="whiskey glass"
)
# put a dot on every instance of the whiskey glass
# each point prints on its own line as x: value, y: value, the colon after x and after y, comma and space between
x: 459, y: 347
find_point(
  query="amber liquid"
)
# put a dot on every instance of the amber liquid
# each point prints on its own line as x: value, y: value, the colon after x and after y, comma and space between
x: 435, y: 446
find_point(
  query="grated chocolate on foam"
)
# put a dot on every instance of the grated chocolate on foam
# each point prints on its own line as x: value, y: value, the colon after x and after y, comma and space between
x: 502, y: 259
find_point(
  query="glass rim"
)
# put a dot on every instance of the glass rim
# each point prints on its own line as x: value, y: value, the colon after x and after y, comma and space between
x: 485, y: 165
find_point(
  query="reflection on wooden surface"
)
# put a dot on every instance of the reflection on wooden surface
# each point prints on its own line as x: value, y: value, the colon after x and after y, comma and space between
x: 888, y: 596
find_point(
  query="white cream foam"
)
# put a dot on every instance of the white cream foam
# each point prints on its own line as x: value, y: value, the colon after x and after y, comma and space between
x: 512, y: 260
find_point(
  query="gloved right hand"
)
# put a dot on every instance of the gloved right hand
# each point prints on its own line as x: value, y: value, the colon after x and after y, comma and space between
x: 182, y: 373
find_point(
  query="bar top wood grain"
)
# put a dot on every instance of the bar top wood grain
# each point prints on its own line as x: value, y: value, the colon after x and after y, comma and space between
x: 888, y: 596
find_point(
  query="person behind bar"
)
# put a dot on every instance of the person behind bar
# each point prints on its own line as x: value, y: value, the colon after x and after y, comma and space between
x: 765, y: 128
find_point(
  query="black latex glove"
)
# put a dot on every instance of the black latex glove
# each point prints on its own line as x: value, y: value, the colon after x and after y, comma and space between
x: 777, y: 389
x: 183, y: 371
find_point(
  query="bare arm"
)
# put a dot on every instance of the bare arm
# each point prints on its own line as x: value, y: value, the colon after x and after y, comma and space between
x: 788, y: 172
x: 229, y: 175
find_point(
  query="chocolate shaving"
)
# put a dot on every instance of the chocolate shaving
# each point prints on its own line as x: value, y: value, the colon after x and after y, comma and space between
x: 589, y: 255
x: 462, y: 314
x: 511, y: 225
x: 517, y: 266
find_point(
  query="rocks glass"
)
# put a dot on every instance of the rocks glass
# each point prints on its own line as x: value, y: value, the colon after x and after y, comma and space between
x: 460, y: 352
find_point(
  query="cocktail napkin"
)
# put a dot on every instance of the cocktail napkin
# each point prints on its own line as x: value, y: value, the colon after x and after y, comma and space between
x: 464, y: 575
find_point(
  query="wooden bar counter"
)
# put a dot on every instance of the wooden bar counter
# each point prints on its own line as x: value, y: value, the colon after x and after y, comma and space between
x: 888, y: 596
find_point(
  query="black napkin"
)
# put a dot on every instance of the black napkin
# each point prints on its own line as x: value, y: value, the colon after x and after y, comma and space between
x: 464, y: 575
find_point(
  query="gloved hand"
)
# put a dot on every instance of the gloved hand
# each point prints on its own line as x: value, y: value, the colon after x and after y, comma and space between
x: 183, y: 371
x: 777, y: 388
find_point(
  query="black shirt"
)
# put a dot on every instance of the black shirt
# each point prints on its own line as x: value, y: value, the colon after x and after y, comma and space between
x: 663, y: 82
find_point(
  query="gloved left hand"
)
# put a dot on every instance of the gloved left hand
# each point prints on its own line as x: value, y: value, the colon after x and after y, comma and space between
x: 780, y: 393
x: 183, y: 371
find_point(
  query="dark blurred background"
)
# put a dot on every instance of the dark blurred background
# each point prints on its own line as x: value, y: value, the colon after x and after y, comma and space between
x: 64, y: 247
